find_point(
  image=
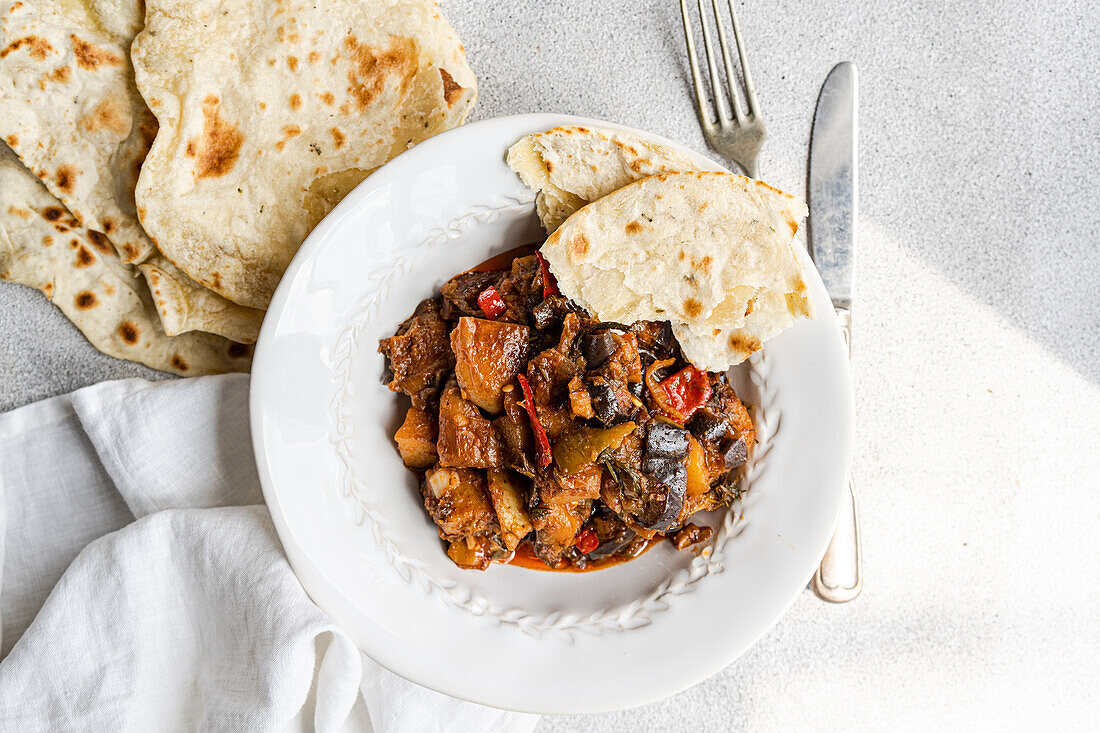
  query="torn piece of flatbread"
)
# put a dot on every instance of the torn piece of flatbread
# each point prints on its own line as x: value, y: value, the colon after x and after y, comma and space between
x: 43, y: 246
x: 71, y: 112
x: 270, y: 111
x: 713, y: 253
x: 571, y: 166
x: 184, y: 305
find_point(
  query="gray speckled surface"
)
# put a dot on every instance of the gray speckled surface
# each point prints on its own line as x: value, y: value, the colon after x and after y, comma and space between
x: 977, y: 337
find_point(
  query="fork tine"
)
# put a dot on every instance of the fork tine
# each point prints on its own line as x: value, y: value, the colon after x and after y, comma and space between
x: 715, y: 81
x: 735, y: 101
x: 696, y: 77
x: 750, y: 88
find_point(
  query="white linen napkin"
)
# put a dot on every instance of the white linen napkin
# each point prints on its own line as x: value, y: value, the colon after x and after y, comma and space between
x: 179, y: 611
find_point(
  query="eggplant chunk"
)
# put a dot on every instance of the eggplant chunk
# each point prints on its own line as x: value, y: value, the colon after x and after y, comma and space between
x: 665, y: 466
x: 707, y: 426
x: 457, y: 500
x: 598, y: 347
x: 506, y: 491
x: 416, y: 440
x: 736, y: 453
x: 666, y: 440
x: 466, y: 439
x: 610, y: 401
x: 488, y: 355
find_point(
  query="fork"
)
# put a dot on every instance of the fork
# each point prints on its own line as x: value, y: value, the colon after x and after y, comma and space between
x: 740, y: 138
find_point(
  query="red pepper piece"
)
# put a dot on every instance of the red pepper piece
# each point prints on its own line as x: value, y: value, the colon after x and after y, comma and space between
x: 587, y: 541
x: 687, y: 390
x: 491, y: 303
x: 542, y: 443
x: 549, y: 283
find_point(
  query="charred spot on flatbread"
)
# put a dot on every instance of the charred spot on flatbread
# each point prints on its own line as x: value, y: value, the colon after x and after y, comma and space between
x: 66, y: 178
x: 373, y: 68
x: 91, y: 57
x: 85, y: 300
x: 84, y: 257
x: 129, y: 332
x: 217, y: 148
x: 108, y: 115
x: 452, y: 90
x: 179, y: 363
x: 37, y: 48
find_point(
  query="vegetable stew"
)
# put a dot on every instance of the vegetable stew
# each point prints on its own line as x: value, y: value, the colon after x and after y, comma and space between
x: 546, y: 436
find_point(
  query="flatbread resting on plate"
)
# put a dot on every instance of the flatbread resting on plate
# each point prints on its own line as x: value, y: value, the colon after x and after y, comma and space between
x: 43, y: 246
x: 569, y: 167
x: 71, y: 112
x: 265, y: 107
x: 714, y: 253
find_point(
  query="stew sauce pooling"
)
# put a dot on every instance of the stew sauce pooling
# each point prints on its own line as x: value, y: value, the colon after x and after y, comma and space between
x: 541, y: 429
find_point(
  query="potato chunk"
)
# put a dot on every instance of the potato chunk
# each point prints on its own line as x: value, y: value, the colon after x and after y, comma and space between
x: 488, y: 355
x: 416, y: 440
x: 466, y: 439
x: 458, y: 502
x: 506, y: 493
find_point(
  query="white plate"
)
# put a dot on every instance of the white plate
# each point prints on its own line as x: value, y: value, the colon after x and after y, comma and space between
x: 353, y: 524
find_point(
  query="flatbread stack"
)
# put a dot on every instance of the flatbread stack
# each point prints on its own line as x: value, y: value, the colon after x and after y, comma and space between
x: 713, y: 253
x: 196, y: 144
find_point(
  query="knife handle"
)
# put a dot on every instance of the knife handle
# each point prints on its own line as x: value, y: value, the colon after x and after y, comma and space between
x: 839, y: 577
x: 844, y: 318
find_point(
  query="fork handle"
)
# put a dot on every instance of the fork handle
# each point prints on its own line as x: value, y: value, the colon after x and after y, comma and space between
x: 839, y: 577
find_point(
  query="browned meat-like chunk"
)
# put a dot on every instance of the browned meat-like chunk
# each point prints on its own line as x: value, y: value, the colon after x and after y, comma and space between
x: 416, y: 439
x: 572, y: 487
x: 466, y: 439
x: 556, y: 527
x: 488, y: 355
x: 471, y: 553
x: 458, y: 502
x: 508, y: 494
x: 419, y: 355
x: 690, y: 535
x: 461, y: 291
x: 515, y: 432
x: 724, y: 402
x: 579, y: 399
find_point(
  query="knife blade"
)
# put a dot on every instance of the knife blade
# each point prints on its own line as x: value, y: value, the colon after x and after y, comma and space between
x: 833, y: 193
x: 833, y: 207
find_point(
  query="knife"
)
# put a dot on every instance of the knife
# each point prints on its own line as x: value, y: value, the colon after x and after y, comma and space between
x: 833, y: 197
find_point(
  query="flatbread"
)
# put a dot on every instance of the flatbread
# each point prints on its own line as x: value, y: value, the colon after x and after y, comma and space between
x: 70, y: 110
x: 714, y: 253
x: 184, y: 305
x: 571, y: 166
x: 270, y: 111
x: 43, y: 245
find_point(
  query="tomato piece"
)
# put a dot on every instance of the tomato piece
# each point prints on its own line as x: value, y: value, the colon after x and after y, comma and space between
x: 587, y: 541
x: 492, y: 305
x: 542, y: 443
x: 685, y: 392
x: 549, y: 282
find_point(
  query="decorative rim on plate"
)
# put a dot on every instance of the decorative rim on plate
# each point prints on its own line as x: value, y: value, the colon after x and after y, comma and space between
x: 635, y: 614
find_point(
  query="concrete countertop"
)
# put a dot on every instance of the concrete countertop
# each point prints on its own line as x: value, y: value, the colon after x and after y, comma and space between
x: 976, y: 334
